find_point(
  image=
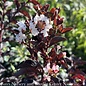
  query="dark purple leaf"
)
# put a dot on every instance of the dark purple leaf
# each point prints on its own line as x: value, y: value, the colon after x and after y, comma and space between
x: 25, y: 13
x: 30, y: 50
x: 6, y: 39
x: 15, y: 31
x: 17, y: 3
x: 79, y: 62
x: 8, y: 12
x: 34, y: 42
x: 58, y: 21
x: 41, y: 45
x: 45, y: 8
x: 27, y: 63
x: 34, y: 2
x: 74, y: 71
x: 2, y: 69
x: 53, y: 53
x: 31, y: 71
x: 56, y: 39
x: 64, y: 63
x: 37, y: 7
x: 53, y: 10
x: 51, y: 32
x: 60, y: 56
x: 64, y: 30
x: 79, y: 76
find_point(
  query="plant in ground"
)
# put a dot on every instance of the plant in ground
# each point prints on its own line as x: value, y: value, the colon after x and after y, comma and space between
x: 40, y: 32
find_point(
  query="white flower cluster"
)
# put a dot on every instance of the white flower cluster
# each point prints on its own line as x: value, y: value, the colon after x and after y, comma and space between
x: 48, y: 70
x: 33, y: 23
x: 55, y: 70
x: 20, y: 37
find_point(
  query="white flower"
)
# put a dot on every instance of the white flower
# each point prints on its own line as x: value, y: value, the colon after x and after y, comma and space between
x: 33, y: 23
x: 41, y: 18
x: 58, y: 47
x: 1, y: 45
x: 45, y: 33
x: 70, y: 84
x: 47, y: 68
x: 34, y: 31
x: 71, y: 59
x: 57, y: 12
x: 55, y: 68
x: 47, y: 27
x: 64, y: 54
x: 35, y: 82
x: 22, y: 26
x: 8, y: 3
x: 20, y: 37
x: 44, y: 18
x: 83, y: 82
x: 36, y: 19
x: 47, y: 77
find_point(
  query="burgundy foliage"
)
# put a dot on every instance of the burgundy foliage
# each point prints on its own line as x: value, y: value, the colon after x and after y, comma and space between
x: 55, y: 67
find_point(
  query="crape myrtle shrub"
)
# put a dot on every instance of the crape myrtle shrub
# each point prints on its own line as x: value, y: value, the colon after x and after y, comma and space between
x: 74, y: 12
x: 37, y: 30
